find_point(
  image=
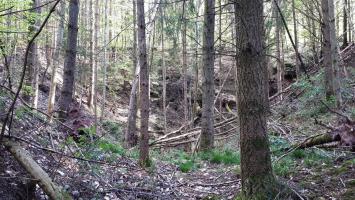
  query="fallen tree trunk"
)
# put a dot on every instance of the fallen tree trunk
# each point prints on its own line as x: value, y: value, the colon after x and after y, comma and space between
x: 188, y: 133
x: 24, y: 158
x: 317, y: 140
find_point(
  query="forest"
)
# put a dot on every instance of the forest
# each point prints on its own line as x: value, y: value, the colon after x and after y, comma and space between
x: 177, y: 99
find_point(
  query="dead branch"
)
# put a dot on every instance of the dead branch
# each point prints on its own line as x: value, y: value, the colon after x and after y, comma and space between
x: 24, y: 158
x: 188, y: 134
x: 324, y: 125
x: 347, y: 118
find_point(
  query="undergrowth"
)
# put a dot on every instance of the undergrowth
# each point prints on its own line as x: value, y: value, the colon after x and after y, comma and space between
x: 286, y: 166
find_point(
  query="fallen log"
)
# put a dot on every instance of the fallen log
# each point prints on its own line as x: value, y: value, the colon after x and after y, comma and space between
x: 44, y: 181
x: 318, y: 140
x: 189, y: 133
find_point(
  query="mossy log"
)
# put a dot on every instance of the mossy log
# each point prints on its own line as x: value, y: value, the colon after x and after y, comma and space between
x: 44, y: 181
x: 317, y: 140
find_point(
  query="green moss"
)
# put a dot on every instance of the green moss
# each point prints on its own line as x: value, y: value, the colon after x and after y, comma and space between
x: 107, y: 146
x: 113, y: 128
x: 350, y: 183
x: 340, y: 170
x: 186, y: 166
x: 298, y: 154
x: 284, y: 167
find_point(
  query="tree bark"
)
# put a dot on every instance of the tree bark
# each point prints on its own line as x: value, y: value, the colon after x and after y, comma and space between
x: 92, y: 52
x: 70, y: 59
x: 105, y: 61
x: 163, y: 65
x: 258, y: 181
x: 298, y: 74
x: 130, y: 139
x: 278, y: 36
x: 330, y: 54
x: 345, y: 24
x: 196, y: 82
x: 207, y: 132
x: 184, y: 61
x: 56, y: 60
x: 32, y: 63
x: 144, y: 87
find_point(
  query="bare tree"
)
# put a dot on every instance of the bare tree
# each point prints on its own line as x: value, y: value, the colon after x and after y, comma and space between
x: 144, y: 87
x: 70, y: 59
x: 331, y: 55
x: 56, y: 60
x: 130, y: 139
x: 207, y: 130
x: 33, y: 62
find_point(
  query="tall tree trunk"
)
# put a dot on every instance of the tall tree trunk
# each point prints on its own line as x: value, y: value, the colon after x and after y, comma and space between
x: 331, y: 55
x: 298, y: 74
x: 207, y: 130
x: 70, y: 59
x: 220, y: 51
x: 195, y: 105
x: 345, y: 24
x: 278, y: 36
x: 144, y: 87
x: 184, y: 62
x: 130, y: 139
x: 163, y: 65
x: 105, y: 61
x: 36, y: 66
x: 92, y: 52
x: 350, y: 21
x: 33, y: 62
x: 56, y: 60
x: 96, y: 59
x: 258, y: 181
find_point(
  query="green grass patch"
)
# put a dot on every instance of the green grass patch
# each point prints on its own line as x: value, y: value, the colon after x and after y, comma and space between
x: 109, y: 147
x: 226, y: 156
x: 113, y: 128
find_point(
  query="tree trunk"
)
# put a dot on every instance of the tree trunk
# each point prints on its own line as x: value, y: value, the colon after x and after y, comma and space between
x: 144, y: 87
x: 130, y: 139
x: 258, y: 181
x: 330, y: 53
x: 32, y: 69
x: 345, y: 24
x: 350, y: 21
x: 92, y: 52
x: 298, y: 74
x: 96, y: 60
x: 278, y: 36
x: 220, y: 52
x: 36, y: 63
x: 163, y: 65
x: 56, y: 60
x: 195, y: 105
x: 105, y: 62
x: 207, y: 131
x: 184, y: 61
x: 70, y: 59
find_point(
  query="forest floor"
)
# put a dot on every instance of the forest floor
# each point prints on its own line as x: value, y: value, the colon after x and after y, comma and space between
x: 103, y: 169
